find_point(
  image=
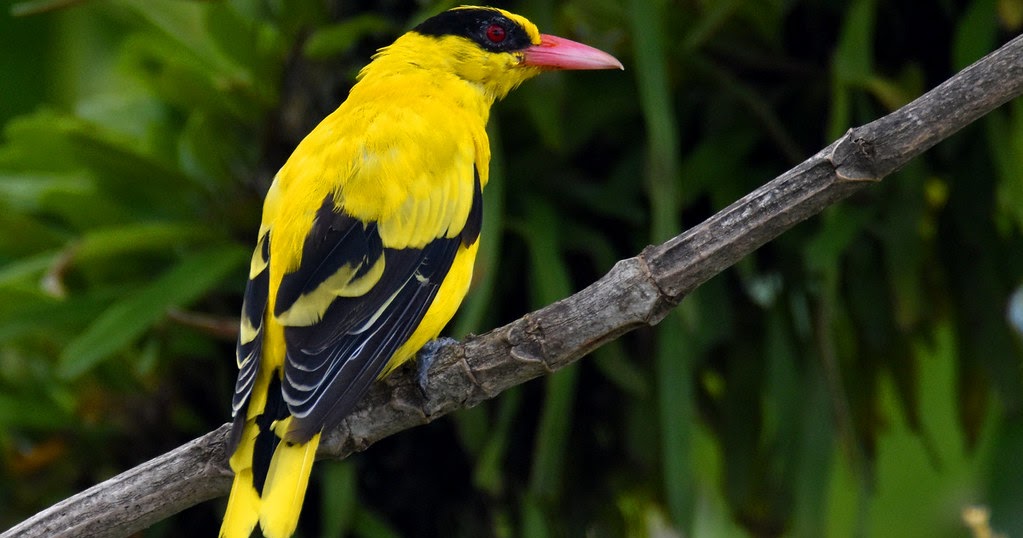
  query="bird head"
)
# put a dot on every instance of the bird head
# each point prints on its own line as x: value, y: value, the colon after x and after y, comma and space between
x: 492, y: 48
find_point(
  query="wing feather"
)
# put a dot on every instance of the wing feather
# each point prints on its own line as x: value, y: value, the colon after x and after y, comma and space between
x: 330, y: 365
x: 249, y: 349
x: 474, y: 222
x: 338, y: 254
x: 354, y: 294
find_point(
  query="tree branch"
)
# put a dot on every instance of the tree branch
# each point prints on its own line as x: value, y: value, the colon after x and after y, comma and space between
x: 637, y: 292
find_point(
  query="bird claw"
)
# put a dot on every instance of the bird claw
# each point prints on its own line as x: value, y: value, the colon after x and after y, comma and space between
x: 426, y: 356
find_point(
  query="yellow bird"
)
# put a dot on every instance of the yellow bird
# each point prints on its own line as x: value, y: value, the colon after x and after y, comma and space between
x: 367, y: 243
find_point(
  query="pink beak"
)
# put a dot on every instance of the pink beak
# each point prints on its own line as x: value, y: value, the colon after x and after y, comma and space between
x: 555, y: 52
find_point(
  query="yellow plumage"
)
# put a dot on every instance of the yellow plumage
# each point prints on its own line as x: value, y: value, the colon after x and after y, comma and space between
x: 367, y: 243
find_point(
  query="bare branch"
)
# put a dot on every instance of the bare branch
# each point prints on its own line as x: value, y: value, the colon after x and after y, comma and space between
x: 638, y: 291
x: 137, y: 498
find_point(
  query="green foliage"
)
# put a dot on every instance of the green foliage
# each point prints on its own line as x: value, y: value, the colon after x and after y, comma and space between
x: 859, y: 376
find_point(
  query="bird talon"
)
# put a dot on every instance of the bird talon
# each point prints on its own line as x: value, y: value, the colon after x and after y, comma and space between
x: 426, y: 356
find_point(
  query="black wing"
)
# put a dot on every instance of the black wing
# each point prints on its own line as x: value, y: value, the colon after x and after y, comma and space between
x: 334, y: 358
x: 250, y: 336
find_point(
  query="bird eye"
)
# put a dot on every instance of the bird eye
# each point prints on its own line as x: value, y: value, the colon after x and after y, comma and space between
x: 496, y: 33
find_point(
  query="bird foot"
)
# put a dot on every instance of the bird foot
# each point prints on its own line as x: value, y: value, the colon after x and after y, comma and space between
x: 426, y: 356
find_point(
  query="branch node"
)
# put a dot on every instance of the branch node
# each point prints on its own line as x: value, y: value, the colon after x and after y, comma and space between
x: 665, y: 302
x: 408, y: 400
x: 526, y: 342
x: 474, y: 385
x: 855, y: 158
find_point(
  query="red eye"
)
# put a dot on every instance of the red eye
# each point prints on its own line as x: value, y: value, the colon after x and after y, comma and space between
x: 496, y: 33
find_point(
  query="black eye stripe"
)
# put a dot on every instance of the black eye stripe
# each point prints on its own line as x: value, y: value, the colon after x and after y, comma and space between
x: 473, y: 24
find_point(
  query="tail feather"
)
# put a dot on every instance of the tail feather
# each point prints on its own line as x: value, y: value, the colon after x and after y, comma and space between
x: 270, y: 476
x: 285, y: 487
x: 242, y: 507
x: 243, y: 504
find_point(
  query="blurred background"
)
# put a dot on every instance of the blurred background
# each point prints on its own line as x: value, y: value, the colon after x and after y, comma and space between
x: 859, y: 376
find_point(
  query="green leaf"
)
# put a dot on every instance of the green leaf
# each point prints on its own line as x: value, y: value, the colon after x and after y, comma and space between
x: 614, y: 363
x: 29, y: 192
x: 535, y: 522
x: 211, y: 149
x: 35, y: 7
x: 813, y: 456
x: 490, y: 464
x: 123, y: 322
x: 662, y: 177
x: 330, y: 41
x: 544, y: 105
x: 841, y: 226
x: 1005, y: 133
x: 338, y: 484
x: 854, y: 56
x: 27, y: 268
x: 368, y: 524
x: 975, y: 33
x: 1005, y: 487
x: 102, y: 244
x: 27, y: 411
x: 675, y: 355
x: 185, y: 25
x: 29, y: 311
x: 26, y: 235
x: 250, y: 45
x: 852, y: 63
x: 86, y: 171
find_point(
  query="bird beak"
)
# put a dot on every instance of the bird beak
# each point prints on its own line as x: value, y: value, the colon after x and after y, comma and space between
x: 555, y: 52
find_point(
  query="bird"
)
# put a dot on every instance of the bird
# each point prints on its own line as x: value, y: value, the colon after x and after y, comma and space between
x: 367, y: 241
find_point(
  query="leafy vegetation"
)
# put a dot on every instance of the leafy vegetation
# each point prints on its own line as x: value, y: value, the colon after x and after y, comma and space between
x: 860, y: 376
